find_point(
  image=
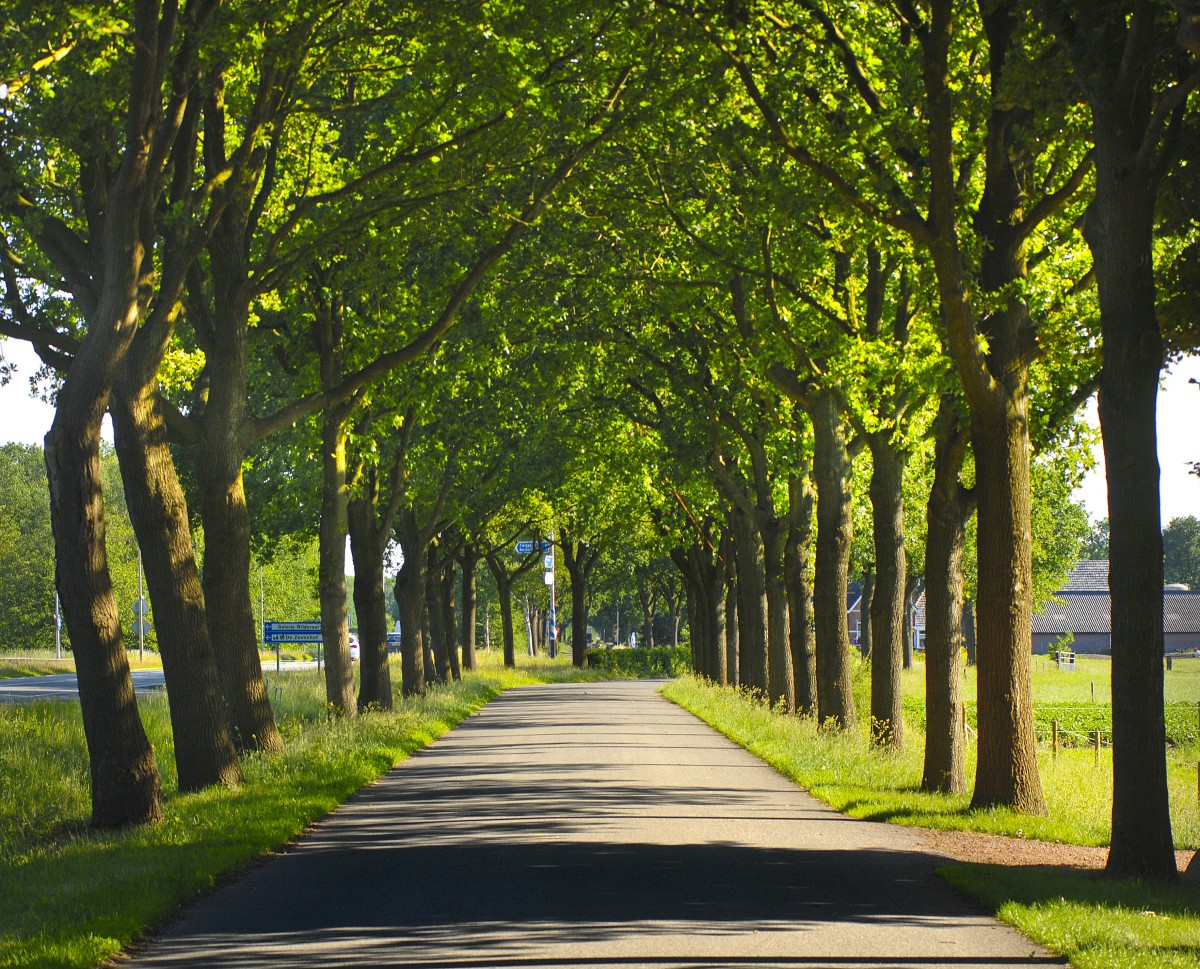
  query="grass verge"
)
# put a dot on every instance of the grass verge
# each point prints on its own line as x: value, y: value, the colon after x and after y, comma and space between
x: 71, y: 897
x: 1094, y: 921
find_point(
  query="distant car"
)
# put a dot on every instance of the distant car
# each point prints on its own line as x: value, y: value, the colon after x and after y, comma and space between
x: 353, y: 648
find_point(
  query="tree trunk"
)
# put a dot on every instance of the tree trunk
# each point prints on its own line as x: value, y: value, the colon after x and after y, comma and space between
x: 204, y: 751
x: 331, y: 569
x: 949, y: 509
x: 781, y: 687
x: 449, y: 616
x: 579, y: 559
x: 469, y: 560
x: 798, y: 576
x: 889, y: 601
x: 733, y: 670
x: 831, y: 472
x: 436, y: 611
x: 227, y: 596
x: 1006, y: 772
x: 504, y: 591
x: 410, y: 601
x: 866, y: 645
x: 367, y: 551
x: 124, y: 776
x: 751, y: 605
x: 1119, y: 230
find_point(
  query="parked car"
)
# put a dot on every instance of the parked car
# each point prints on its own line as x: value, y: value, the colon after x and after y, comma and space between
x: 353, y: 648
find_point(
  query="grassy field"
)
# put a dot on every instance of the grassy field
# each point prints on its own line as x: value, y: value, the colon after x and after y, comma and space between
x: 41, y: 662
x: 1096, y: 922
x: 70, y: 897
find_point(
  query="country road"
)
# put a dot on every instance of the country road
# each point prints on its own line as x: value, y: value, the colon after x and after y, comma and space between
x: 589, y: 825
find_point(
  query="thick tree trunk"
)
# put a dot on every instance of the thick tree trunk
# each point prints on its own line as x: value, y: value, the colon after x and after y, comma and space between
x: 798, y: 576
x: 949, y: 509
x: 227, y: 596
x: 831, y: 473
x: 124, y: 776
x: 1119, y: 230
x: 504, y: 591
x: 204, y: 751
x: 1006, y: 772
x: 331, y: 567
x: 752, y: 605
x: 370, y: 605
x: 468, y: 559
x: 889, y: 601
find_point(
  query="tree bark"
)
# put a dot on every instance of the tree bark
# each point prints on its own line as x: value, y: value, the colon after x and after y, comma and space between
x: 331, y: 568
x: 781, y: 687
x: 949, y: 509
x: 889, y: 600
x: 410, y: 601
x: 367, y: 551
x: 831, y: 472
x: 798, y: 575
x: 124, y: 776
x: 435, y: 616
x: 866, y: 645
x: 751, y: 605
x: 1119, y: 229
x: 468, y: 559
x: 733, y: 670
x: 449, y: 578
x: 204, y: 750
x: 579, y: 558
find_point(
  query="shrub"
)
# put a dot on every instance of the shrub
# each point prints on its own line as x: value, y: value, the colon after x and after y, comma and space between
x: 656, y: 661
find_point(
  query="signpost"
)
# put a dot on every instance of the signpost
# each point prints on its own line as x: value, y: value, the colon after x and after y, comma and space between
x: 294, y: 632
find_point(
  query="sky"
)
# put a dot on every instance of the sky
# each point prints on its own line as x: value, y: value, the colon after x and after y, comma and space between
x: 26, y: 420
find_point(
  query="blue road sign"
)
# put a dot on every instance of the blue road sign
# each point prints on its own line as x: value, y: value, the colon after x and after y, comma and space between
x: 524, y: 548
x: 292, y: 632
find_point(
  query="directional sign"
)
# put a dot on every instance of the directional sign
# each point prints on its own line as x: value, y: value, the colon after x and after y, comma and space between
x: 141, y: 607
x: 292, y: 632
x: 524, y: 548
x: 393, y: 639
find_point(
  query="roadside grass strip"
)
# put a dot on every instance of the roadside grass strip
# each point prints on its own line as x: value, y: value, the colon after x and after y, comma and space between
x: 1094, y: 921
x: 72, y: 897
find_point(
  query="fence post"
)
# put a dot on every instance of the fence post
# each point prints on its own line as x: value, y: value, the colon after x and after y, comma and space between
x: 1097, y: 748
x: 1054, y: 739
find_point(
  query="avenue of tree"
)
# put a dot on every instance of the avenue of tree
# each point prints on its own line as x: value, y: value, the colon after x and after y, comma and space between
x: 723, y: 303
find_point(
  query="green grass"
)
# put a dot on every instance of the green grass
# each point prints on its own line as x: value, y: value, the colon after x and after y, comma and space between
x: 1096, y: 922
x: 70, y: 897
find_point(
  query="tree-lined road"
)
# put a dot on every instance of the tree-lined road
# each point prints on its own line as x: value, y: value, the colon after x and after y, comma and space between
x: 590, y: 825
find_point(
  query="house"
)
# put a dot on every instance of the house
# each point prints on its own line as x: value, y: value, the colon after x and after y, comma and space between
x: 1083, y: 608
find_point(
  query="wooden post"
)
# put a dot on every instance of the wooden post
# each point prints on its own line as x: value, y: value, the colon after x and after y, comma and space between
x: 1054, y: 739
x: 1097, y: 748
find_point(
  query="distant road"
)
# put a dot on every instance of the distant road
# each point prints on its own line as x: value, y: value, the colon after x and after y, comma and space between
x: 64, y: 686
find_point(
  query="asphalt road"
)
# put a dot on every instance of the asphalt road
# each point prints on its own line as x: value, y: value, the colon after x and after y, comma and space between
x: 64, y: 686
x: 589, y: 825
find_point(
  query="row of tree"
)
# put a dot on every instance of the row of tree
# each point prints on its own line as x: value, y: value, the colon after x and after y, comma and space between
x: 303, y: 256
